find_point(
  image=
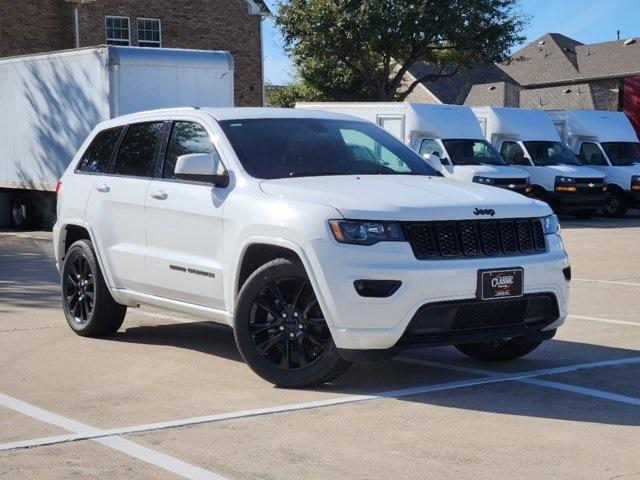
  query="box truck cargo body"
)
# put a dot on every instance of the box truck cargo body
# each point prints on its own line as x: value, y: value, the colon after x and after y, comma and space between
x: 606, y: 141
x: 527, y: 139
x: 451, y: 132
x: 50, y: 102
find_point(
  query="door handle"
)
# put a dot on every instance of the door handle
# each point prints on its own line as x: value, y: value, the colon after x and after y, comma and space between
x: 159, y: 195
x: 102, y: 188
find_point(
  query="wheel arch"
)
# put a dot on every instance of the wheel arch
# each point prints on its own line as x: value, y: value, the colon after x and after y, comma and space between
x: 257, y: 251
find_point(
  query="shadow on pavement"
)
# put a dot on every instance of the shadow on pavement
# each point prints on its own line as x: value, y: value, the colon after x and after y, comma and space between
x: 510, y: 398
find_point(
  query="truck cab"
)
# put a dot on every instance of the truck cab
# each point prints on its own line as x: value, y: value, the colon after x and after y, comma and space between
x: 450, y: 132
x: 528, y: 140
x: 607, y: 142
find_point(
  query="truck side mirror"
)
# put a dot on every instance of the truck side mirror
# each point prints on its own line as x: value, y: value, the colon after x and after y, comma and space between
x: 433, y: 161
x: 201, y: 167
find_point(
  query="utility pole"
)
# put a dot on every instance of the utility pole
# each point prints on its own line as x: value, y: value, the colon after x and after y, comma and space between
x: 618, y: 32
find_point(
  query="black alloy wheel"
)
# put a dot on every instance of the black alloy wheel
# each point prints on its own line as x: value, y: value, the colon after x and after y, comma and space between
x: 79, y: 288
x: 287, y: 325
x: 88, y: 306
x: 280, y: 329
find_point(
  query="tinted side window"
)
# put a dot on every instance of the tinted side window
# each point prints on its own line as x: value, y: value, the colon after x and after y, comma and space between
x: 590, y: 154
x: 513, y: 154
x: 429, y: 146
x: 96, y: 158
x: 186, y: 138
x: 136, y: 154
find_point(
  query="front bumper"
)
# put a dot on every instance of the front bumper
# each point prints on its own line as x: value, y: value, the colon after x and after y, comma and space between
x: 578, y: 201
x: 632, y: 197
x: 365, y: 323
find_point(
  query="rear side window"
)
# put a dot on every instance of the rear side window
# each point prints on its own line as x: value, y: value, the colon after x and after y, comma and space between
x: 137, y: 151
x: 186, y: 138
x: 513, y: 154
x: 431, y: 147
x: 97, y: 157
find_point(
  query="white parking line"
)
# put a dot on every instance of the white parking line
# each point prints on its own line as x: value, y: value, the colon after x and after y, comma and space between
x: 128, y: 447
x: 542, y: 383
x: 488, y: 378
x: 610, y: 282
x: 606, y: 320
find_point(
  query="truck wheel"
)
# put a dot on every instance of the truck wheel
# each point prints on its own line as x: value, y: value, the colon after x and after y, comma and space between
x: 616, y: 205
x: 280, y: 329
x: 499, y: 351
x: 90, y: 309
x: 21, y: 213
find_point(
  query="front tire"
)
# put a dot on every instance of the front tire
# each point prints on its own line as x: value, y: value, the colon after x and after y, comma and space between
x: 616, y: 206
x: 88, y: 306
x: 499, y: 351
x: 280, y: 329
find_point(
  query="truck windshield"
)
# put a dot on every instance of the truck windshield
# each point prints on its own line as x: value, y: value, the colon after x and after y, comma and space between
x: 622, y: 153
x: 472, y: 152
x: 550, y: 153
x: 300, y: 147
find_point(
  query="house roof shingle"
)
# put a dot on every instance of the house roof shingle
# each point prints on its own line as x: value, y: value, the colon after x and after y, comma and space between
x: 552, y: 59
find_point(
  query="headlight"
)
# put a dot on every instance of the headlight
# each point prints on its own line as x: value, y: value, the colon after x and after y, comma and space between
x: 565, y: 184
x: 483, y: 180
x: 635, y: 183
x: 366, y: 233
x: 550, y: 225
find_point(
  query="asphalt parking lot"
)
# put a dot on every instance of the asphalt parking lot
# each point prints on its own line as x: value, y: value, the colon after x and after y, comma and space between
x: 169, y: 397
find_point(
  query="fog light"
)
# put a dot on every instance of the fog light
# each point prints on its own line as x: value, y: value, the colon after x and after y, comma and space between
x: 376, y: 288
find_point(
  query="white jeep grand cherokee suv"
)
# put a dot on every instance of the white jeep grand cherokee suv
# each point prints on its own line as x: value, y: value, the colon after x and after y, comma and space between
x: 272, y: 222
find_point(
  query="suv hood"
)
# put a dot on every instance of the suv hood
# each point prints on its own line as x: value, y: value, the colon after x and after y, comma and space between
x: 405, y: 197
x: 576, y: 171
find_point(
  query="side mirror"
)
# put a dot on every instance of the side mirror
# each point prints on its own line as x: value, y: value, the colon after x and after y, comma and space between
x: 433, y: 161
x: 201, y: 167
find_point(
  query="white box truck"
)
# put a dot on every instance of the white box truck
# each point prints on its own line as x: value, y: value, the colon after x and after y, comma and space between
x: 608, y: 142
x: 50, y: 102
x: 527, y: 139
x: 450, y: 132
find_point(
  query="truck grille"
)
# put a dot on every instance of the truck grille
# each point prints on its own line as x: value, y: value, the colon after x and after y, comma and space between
x: 475, y: 238
x: 590, y: 185
x: 510, y: 183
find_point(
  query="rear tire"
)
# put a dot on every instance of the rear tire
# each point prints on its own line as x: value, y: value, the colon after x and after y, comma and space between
x: 88, y: 306
x: 280, y: 330
x: 499, y: 352
x: 21, y: 213
x: 616, y: 205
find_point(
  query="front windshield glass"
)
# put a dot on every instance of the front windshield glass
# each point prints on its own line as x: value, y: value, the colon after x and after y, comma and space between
x: 472, y: 152
x: 550, y: 153
x: 622, y: 153
x: 300, y: 147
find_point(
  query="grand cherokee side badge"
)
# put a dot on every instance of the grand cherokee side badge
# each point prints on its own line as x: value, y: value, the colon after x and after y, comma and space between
x: 486, y: 211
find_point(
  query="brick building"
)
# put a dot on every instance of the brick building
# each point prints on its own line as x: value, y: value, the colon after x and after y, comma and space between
x: 31, y: 26
x: 552, y: 72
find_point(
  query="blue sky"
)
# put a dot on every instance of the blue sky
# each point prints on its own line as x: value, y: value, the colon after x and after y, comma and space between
x: 588, y: 21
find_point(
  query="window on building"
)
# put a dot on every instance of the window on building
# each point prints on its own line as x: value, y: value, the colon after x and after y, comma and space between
x: 149, y: 33
x: 117, y: 30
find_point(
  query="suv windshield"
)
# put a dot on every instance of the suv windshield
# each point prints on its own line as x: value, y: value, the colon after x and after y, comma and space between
x: 622, y: 153
x: 300, y: 147
x: 472, y: 152
x: 550, y: 153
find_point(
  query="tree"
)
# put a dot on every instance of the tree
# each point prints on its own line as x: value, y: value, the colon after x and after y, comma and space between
x: 362, y: 50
